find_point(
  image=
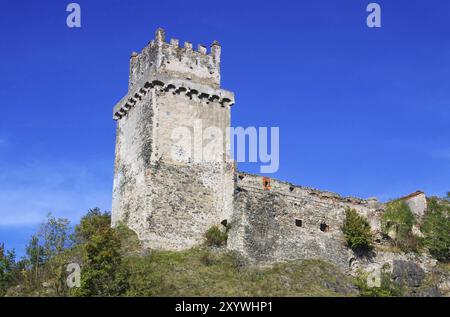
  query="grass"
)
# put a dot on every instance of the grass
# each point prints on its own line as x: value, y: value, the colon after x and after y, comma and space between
x: 203, y: 272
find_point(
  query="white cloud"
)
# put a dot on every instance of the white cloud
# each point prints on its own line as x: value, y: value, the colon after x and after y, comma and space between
x: 67, y: 189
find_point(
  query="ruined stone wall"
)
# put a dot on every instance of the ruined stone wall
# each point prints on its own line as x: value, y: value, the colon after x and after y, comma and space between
x: 417, y: 203
x: 276, y: 221
x: 170, y: 192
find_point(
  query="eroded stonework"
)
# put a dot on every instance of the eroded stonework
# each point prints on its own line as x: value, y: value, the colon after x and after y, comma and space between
x: 279, y: 221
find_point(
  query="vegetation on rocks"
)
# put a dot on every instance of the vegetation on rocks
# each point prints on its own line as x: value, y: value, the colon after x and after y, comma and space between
x: 397, y: 223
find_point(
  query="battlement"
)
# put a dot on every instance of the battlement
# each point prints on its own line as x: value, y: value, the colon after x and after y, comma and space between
x: 251, y: 182
x: 168, y: 58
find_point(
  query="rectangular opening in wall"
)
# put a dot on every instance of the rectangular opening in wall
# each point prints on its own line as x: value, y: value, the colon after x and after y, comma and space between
x: 298, y: 222
x: 266, y: 183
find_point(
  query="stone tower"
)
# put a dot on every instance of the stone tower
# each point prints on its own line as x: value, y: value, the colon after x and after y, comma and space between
x: 164, y: 188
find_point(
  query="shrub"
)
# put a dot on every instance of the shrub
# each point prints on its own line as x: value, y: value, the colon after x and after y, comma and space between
x: 357, y: 231
x: 399, y: 219
x: 436, y: 228
x: 216, y: 237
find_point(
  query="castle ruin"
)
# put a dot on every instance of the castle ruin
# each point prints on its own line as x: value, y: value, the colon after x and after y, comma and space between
x: 170, y: 204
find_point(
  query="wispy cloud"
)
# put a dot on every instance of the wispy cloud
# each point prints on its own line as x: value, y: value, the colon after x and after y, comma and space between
x: 28, y: 191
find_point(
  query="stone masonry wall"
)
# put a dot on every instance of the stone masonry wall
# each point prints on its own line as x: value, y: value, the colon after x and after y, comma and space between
x: 276, y: 221
x: 168, y: 194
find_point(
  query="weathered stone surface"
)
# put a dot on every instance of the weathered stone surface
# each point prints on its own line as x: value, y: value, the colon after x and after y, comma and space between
x: 428, y: 292
x: 289, y: 222
x: 417, y: 202
x: 407, y: 273
x: 160, y: 57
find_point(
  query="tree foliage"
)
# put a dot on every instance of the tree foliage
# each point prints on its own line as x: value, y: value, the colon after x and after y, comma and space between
x: 94, y: 221
x: 101, y: 274
x: 7, y: 265
x: 46, y: 256
x: 436, y: 228
x: 55, y: 235
x: 357, y: 231
x: 397, y: 223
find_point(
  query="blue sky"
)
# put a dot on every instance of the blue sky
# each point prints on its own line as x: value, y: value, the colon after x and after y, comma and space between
x: 361, y: 111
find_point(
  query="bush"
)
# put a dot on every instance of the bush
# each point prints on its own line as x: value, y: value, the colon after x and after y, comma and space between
x: 397, y: 222
x: 436, y: 228
x: 357, y: 231
x: 216, y: 237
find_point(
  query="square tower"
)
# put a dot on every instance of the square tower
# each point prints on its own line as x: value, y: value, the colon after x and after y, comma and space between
x: 167, y: 187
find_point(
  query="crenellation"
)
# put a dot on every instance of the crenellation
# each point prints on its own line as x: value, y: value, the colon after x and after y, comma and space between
x: 288, y: 189
x: 216, y: 51
x: 175, y: 43
x: 160, y: 57
x: 201, y: 49
x: 188, y: 46
x: 160, y: 36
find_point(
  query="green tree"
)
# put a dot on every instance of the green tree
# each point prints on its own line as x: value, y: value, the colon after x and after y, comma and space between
x: 91, y: 224
x: 35, y: 259
x: 436, y: 228
x: 45, y: 255
x: 101, y: 273
x: 357, y: 231
x: 7, y: 265
x: 55, y: 234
